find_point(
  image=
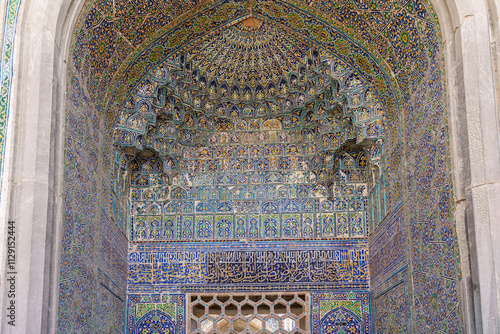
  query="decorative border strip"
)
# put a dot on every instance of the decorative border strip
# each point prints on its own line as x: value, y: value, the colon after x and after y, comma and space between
x: 6, y: 72
x: 247, y: 267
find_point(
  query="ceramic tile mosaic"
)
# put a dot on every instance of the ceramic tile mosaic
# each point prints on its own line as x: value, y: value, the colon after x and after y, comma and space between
x: 387, y: 247
x: 297, y: 207
x: 93, y: 264
x: 160, y: 312
x: 234, y: 144
x: 389, y: 275
x: 391, y: 304
x: 112, y: 253
x: 110, y: 315
x: 151, y: 74
x: 259, y: 266
x: 340, y: 312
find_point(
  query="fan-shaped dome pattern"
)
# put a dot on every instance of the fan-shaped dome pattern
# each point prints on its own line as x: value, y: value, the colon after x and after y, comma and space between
x: 250, y: 76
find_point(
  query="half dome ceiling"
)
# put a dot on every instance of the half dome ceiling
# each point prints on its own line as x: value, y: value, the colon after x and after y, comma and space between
x: 249, y: 76
x: 114, y: 49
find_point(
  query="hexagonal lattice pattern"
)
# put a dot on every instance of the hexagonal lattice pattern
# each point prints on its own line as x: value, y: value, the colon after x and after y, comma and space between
x: 276, y: 313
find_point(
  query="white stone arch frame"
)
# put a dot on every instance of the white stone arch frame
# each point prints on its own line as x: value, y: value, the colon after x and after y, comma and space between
x: 33, y: 174
x: 471, y: 36
x: 33, y: 182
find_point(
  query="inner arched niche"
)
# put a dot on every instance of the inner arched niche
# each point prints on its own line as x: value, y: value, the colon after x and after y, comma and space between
x: 248, y: 143
x: 109, y: 77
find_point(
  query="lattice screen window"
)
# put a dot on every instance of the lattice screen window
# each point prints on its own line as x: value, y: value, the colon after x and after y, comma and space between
x: 277, y: 313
